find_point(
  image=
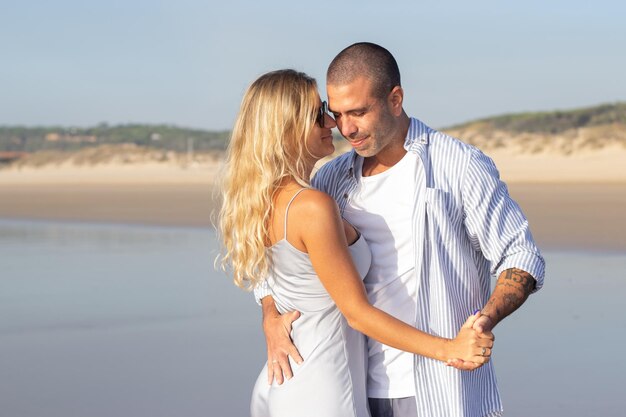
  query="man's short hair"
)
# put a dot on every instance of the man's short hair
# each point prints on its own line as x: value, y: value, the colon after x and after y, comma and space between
x: 365, y: 59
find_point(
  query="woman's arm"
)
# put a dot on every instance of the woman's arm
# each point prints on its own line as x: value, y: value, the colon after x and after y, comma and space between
x: 320, y: 229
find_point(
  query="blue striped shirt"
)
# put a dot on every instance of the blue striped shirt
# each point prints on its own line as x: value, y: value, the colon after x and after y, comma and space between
x: 466, y: 229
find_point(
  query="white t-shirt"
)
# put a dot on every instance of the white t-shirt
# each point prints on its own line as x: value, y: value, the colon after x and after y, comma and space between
x: 382, y: 210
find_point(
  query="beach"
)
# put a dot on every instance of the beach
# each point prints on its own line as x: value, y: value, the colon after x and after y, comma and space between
x: 567, y: 216
x: 572, y: 201
x: 149, y: 204
x: 114, y: 318
x: 105, y: 320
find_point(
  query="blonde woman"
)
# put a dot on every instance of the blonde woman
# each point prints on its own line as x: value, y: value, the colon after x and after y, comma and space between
x: 275, y: 228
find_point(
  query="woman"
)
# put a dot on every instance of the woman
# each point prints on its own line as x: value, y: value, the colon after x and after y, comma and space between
x: 274, y: 227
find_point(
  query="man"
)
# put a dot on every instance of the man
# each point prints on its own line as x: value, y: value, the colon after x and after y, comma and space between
x: 439, y: 223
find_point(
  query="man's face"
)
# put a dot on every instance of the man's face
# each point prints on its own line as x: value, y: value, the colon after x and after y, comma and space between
x: 362, y: 118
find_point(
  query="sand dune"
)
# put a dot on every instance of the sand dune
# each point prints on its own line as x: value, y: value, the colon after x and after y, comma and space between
x: 591, y: 154
x: 112, y: 173
x: 607, y: 165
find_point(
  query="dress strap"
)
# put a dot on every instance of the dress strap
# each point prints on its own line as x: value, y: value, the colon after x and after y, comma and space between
x: 287, y: 209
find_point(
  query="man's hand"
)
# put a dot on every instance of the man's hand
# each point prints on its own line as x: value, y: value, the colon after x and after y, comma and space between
x: 512, y: 289
x: 483, y: 324
x: 277, y: 329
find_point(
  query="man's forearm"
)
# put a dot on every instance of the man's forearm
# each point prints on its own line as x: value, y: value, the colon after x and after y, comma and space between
x: 512, y: 289
x: 269, y: 307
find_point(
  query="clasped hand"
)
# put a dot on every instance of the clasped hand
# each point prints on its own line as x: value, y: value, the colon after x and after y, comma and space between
x: 469, y: 350
x: 473, y: 344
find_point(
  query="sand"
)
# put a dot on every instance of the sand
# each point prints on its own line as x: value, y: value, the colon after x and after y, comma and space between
x: 574, y: 201
x: 152, y: 204
x: 111, y: 173
x: 575, y: 216
x: 606, y: 165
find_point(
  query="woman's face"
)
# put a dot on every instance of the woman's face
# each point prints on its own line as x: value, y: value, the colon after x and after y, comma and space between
x: 320, y: 141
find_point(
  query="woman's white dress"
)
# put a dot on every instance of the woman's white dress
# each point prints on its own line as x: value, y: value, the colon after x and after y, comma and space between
x: 332, y: 379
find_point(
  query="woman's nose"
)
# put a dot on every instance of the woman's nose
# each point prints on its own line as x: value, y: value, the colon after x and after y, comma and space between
x: 329, y: 121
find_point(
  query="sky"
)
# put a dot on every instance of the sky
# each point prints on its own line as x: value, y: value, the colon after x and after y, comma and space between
x: 188, y: 62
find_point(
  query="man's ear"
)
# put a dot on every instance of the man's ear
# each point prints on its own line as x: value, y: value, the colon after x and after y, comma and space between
x: 395, y: 99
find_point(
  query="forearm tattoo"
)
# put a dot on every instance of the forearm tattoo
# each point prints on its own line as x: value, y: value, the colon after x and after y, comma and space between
x: 517, y: 278
x: 512, y: 289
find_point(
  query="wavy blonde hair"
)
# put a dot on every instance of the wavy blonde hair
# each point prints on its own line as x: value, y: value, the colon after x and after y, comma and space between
x: 267, y: 146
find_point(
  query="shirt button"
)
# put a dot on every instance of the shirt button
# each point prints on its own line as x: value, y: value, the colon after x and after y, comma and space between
x: 345, y: 195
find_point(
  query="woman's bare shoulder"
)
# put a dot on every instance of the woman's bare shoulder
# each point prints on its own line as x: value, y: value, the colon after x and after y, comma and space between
x: 313, y: 216
x: 312, y: 201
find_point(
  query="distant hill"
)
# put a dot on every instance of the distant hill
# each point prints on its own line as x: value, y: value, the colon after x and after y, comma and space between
x: 552, y: 121
x: 121, y: 154
x: 163, y: 137
x: 562, y: 132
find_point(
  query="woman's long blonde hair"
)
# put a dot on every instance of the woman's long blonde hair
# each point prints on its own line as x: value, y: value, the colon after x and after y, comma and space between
x: 267, y: 147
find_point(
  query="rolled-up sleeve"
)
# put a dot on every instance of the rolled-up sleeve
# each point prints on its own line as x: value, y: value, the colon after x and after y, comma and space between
x: 495, y: 222
x: 261, y: 291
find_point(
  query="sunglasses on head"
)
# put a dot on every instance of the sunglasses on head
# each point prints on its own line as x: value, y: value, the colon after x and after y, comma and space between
x: 321, y: 115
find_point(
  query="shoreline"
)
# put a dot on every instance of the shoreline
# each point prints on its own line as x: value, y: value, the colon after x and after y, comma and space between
x: 187, y: 205
x: 561, y: 215
x: 573, y: 201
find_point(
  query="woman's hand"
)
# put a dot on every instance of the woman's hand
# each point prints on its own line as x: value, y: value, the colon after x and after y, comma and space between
x: 470, y: 349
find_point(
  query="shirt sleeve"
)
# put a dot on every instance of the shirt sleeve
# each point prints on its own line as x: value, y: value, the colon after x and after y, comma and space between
x: 261, y: 291
x: 317, y: 180
x: 495, y: 222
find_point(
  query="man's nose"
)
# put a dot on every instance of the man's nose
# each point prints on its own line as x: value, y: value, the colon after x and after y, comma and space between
x: 347, y: 127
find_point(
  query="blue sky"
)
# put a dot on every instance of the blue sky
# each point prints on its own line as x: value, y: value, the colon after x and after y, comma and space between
x: 188, y: 62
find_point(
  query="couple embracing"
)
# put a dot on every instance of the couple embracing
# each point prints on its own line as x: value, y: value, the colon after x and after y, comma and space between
x: 379, y: 268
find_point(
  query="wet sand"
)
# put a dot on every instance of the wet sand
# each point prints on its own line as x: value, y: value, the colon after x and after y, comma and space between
x: 562, y: 216
x: 575, y: 216
x: 151, y: 204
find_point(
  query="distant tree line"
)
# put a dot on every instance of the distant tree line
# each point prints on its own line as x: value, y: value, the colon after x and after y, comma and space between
x: 31, y: 139
x: 554, y: 121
